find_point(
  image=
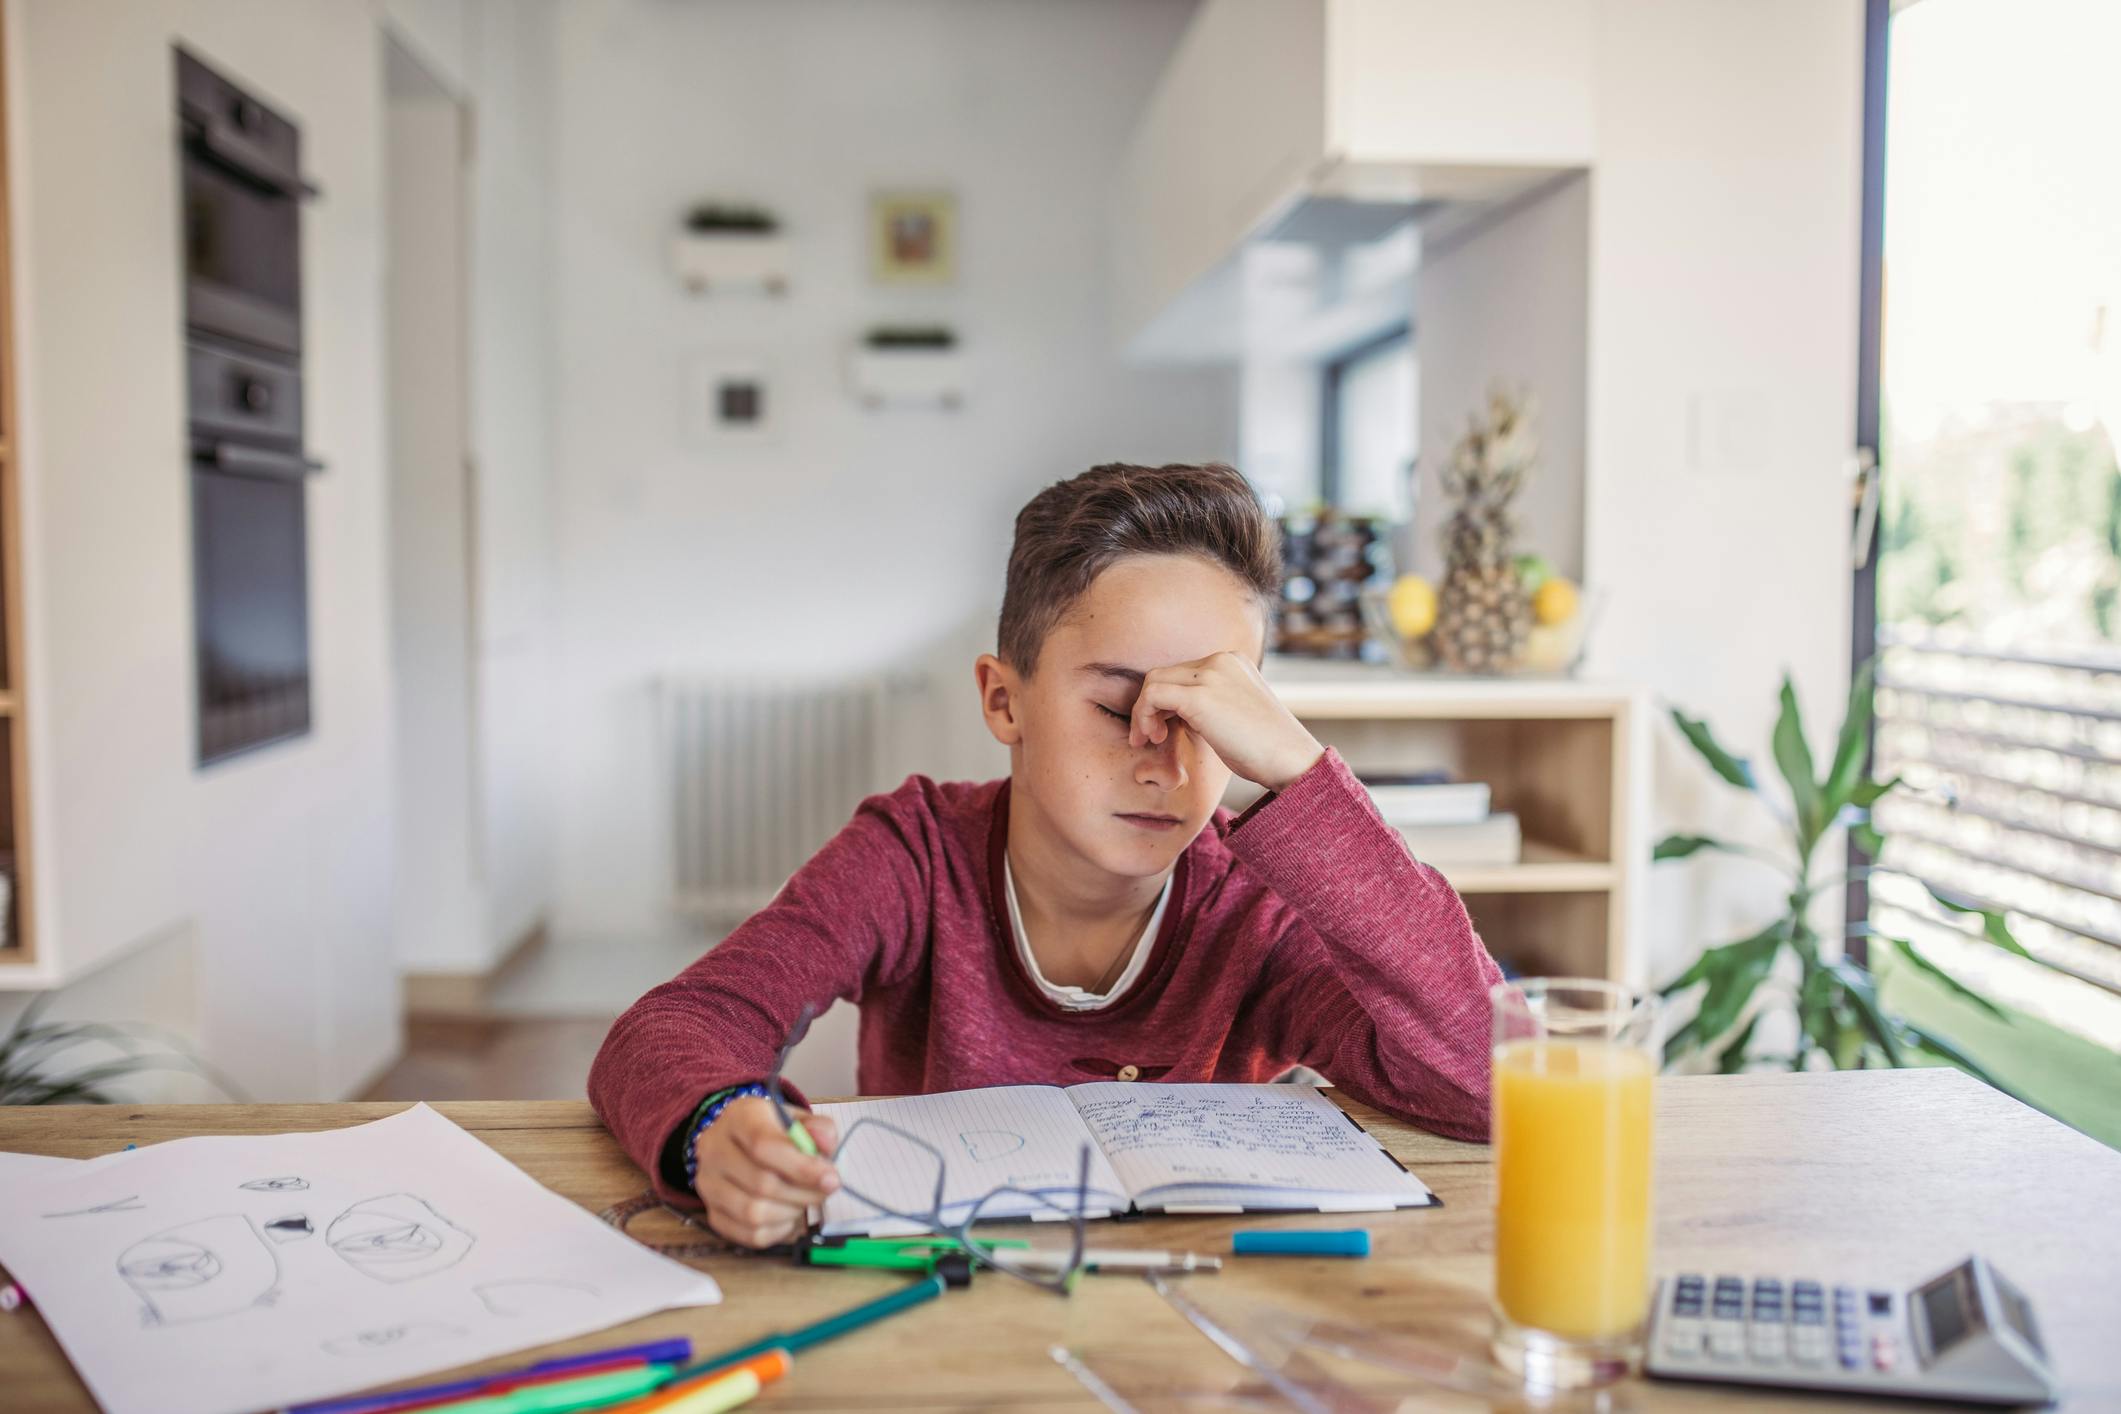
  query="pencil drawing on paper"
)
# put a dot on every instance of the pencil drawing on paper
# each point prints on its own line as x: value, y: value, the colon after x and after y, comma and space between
x: 396, y: 1337
x: 397, y: 1237
x: 531, y: 1296
x: 129, y: 1204
x: 985, y: 1144
x: 201, y: 1270
x: 292, y: 1228
x: 286, y: 1184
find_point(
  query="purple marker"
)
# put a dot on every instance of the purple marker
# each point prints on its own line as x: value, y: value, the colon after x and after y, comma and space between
x: 675, y: 1351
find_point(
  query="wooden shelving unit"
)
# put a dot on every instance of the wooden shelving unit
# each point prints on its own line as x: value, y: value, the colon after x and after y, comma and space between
x: 1566, y: 756
x: 19, y: 949
x: 1545, y: 869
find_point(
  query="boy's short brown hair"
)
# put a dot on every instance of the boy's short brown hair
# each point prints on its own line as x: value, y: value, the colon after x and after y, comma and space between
x: 1073, y: 530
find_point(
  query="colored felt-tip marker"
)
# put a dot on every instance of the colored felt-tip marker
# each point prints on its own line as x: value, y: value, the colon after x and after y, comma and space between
x: 726, y: 1388
x: 566, y: 1396
x: 1347, y: 1242
x: 800, y: 1137
x: 675, y: 1351
x: 715, y: 1396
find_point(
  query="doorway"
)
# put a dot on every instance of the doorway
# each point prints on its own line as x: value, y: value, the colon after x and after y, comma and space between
x: 426, y: 190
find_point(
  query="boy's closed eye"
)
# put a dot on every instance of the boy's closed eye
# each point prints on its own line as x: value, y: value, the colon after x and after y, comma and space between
x: 1115, y: 713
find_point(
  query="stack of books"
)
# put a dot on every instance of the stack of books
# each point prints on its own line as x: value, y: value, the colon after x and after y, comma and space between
x: 1446, y: 822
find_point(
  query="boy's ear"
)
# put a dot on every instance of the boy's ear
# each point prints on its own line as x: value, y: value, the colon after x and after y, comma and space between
x: 1000, y: 698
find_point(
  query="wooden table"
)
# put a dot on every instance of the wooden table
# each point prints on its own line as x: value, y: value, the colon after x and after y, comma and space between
x: 1889, y: 1176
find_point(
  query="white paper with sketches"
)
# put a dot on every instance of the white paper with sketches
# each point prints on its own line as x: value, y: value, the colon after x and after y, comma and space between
x: 222, y: 1274
x: 32, y: 1165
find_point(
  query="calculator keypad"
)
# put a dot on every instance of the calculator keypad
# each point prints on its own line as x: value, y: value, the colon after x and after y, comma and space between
x: 1797, y: 1332
x: 1771, y: 1323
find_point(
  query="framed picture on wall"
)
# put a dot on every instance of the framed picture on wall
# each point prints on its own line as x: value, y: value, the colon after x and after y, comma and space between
x: 730, y: 397
x: 912, y: 237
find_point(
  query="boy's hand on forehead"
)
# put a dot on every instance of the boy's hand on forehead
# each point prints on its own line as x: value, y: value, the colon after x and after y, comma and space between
x: 1225, y: 702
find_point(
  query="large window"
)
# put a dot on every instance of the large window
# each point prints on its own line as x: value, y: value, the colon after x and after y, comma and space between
x: 1998, y: 565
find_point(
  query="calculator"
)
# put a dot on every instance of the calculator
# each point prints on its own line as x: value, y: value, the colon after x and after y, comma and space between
x: 1967, y: 1334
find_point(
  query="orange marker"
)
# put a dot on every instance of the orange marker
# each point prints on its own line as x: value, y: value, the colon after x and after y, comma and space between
x: 757, y: 1372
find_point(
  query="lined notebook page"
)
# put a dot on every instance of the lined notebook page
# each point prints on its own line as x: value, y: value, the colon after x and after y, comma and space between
x: 1025, y: 1136
x: 1239, y: 1144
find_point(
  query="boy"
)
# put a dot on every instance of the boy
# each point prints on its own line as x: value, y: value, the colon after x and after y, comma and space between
x: 1094, y: 916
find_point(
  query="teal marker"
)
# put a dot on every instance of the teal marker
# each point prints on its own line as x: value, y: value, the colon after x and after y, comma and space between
x: 1344, y: 1242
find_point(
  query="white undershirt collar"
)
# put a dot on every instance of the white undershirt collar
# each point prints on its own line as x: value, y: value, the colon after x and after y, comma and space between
x: 1079, y: 998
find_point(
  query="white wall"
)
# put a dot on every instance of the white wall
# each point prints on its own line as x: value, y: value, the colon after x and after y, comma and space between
x: 1506, y: 301
x: 859, y: 539
x: 1724, y: 238
x: 249, y: 905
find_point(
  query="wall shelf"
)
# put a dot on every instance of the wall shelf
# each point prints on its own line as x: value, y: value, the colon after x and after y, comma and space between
x: 888, y: 377
x: 712, y: 263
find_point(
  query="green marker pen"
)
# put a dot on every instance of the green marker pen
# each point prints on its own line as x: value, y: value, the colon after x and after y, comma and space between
x: 566, y: 1396
x: 918, y: 1254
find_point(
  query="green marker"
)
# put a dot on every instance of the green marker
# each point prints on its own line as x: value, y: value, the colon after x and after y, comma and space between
x: 566, y: 1396
x: 918, y: 1254
x: 801, y: 1138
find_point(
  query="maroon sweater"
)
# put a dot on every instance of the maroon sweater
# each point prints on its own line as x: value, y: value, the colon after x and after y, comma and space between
x: 1301, y: 932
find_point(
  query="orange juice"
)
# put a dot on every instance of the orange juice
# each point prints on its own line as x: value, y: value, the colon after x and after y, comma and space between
x: 1572, y: 1186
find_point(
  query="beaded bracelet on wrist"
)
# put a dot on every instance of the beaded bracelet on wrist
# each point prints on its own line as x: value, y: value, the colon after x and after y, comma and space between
x: 710, y: 1110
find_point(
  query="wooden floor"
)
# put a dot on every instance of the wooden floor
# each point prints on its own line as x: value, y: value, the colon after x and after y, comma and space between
x: 493, y: 1059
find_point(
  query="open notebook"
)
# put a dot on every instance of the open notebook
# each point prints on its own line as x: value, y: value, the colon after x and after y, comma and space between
x: 1168, y: 1148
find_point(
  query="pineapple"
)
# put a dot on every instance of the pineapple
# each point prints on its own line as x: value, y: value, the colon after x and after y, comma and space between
x: 1483, y: 613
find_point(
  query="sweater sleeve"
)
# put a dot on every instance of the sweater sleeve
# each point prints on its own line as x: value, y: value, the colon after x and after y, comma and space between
x: 1381, y: 982
x: 849, y: 919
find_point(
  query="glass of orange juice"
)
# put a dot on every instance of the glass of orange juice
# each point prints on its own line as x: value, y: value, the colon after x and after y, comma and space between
x: 1573, y: 1064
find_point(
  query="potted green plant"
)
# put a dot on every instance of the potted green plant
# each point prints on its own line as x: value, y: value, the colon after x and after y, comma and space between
x: 32, y: 1045
x: 1840, y: 1018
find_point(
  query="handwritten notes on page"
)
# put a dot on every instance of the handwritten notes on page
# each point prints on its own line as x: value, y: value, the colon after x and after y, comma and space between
x: 1240, y: 1145
x: 1017, y: 1136
x: 220, y: 1274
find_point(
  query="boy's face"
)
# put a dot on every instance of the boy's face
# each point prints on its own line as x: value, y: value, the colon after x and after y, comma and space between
x: 1128, y: 810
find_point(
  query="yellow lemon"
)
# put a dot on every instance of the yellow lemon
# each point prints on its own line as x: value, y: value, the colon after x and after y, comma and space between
x: 1413, y: 606
x: 1555, y: 603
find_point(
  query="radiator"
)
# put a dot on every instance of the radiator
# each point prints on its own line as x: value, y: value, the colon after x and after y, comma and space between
x: 763, y: 773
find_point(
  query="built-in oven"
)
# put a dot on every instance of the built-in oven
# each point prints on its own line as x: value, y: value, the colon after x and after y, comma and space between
x: 243, y: 361
x: 242, y: 212
x: 250, y: 555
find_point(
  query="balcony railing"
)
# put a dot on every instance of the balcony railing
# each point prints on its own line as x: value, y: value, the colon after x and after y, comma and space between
x: 2012, y: 762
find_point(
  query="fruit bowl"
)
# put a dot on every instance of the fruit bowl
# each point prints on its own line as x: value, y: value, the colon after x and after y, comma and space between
x: 1551, y: 650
